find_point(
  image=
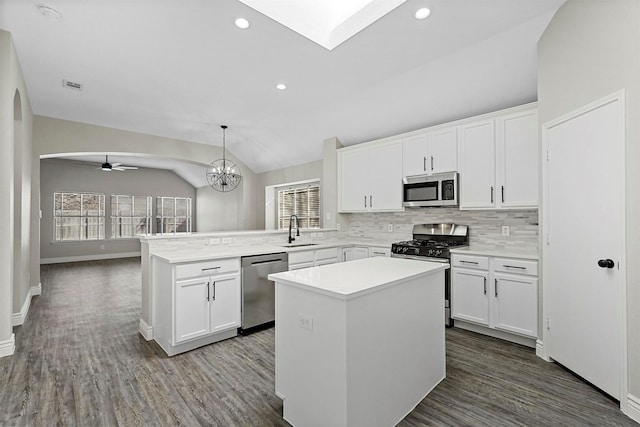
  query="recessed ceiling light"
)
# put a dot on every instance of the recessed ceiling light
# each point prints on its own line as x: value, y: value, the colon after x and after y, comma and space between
x: 281, y: 86
x: 242, y: 23
x: 423, y: 13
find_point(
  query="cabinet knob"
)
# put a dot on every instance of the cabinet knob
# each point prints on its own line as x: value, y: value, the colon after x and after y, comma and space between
x: 606, y: 263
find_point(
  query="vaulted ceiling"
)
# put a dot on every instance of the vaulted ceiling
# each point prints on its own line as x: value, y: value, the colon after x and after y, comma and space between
x: 181, y: 68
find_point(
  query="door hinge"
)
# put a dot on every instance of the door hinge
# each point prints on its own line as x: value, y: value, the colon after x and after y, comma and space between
x: 547, y: 154
x: 548, y: 324
x: 548, y: 239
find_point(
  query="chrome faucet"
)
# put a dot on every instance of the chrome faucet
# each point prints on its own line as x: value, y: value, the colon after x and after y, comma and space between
x: 291, y: 239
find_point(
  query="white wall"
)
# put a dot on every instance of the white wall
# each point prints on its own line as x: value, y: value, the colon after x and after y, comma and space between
x: 591, y: 49
x: 55, y: 136
x: 59, y: 175
x: 15, y: 134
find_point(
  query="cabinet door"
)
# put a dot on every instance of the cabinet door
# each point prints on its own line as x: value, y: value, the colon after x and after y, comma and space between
x: 351, y: 254
x: 469, y: 295
x: 385, y: 176
x: 516, y: 304
x: 517, y: 159
x: 415, y: 153
x: 191, y: 309
x: 443, y: 151
x: 477, y: 165
x: 225, y: 303
x: 353, y: 180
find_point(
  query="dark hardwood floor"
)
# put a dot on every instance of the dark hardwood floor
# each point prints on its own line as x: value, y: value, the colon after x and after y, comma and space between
x: 80, y: 361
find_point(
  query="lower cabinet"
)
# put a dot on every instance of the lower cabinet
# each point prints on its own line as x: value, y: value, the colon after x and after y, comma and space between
x: 312, y: 258
x: 497, y: 293
x: 195, y: 303
x: 355, y: 252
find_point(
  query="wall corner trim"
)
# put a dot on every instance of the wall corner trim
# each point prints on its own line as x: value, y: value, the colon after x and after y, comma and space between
x: 633, y: 408
x: 8, y: 347
x: 18, y: 318
x: 145, y: 330
x: 36, y: 289
x: 541, y: 352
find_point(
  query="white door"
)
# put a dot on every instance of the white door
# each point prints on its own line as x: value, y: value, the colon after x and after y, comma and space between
x: 470, y: 295
x: 191, y: 309
x: 353, y: 185
x: 385, y: 176
x: 584, y: 219
x: 515, y: 304
x: 415, y: 152
x: 443, y: 151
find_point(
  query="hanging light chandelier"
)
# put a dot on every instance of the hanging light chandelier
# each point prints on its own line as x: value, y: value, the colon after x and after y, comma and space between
x: 222, y: 174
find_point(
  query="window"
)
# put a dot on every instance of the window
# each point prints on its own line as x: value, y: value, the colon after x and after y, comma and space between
x: 78, y: 217
x: 130, y: 215
x: 303, y: 201
x: 173, y: 215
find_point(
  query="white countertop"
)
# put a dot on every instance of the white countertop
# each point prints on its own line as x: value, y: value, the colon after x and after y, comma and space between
x: 355, y: 278
x: 496, y: 252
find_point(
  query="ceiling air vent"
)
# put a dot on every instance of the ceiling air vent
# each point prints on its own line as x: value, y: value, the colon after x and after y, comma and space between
x: 71, y: 85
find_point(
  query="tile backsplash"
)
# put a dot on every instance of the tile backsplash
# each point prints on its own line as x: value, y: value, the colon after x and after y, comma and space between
x: 485, y: 227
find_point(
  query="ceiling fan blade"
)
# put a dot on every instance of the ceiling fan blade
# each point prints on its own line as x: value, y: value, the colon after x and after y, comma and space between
x: 128, y: 167
x: 118, y: 169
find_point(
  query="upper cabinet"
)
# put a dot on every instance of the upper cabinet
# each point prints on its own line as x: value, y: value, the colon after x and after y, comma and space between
x: 498, y: 162
x: 370, y: 177
x: 431, y: 152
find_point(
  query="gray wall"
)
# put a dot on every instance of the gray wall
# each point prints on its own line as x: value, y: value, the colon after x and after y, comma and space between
x: 16, y: 259
x: 66, y: 175
x: 591, y: 49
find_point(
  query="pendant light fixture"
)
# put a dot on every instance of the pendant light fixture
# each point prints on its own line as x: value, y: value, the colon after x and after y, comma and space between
x: 222, y: 174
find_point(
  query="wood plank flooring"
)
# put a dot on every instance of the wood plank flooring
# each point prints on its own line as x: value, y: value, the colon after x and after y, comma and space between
x: 80, y: 361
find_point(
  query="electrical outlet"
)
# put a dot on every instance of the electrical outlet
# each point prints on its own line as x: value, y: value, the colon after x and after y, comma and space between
x: 214, y: 241
x: 305, y: 321
x: 505, y: 230
x: 320, y: 234
x: 226, y: 240
x: 338, y: 226
x: 390, y: 228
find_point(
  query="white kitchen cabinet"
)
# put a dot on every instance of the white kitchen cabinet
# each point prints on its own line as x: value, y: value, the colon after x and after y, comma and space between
x: 379, y: 251
x: 370, y: 177
x: 431, y: 152
x: 498, y: 162
x: 355, y: 252
x: 497, y: 293
x: 477, y: 165
x: 196, y: 303
x: 312, y: 258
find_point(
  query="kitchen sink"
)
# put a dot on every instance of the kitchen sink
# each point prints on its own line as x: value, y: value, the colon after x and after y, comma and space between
x: 295, y: 245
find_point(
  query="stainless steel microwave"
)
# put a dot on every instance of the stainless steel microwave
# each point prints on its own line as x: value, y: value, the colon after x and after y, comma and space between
x: 430, y: 190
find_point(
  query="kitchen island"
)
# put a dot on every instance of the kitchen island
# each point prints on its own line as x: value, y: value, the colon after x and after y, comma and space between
x: 358, y: 343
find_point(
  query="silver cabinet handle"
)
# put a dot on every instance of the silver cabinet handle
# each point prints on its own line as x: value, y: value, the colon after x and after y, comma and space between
x: 485, y: 285
x: 424, y: 164
x: 370, y: 201
x: 491, y: 194
x: 502, y: 186
x: 495, y: 288
x: 514, y: 266
x: 365, y: 201
x: 431, y: 162
x: 210, y: 268
x: 214, y: 291
x: 208, y: 295
x: 468, y: 262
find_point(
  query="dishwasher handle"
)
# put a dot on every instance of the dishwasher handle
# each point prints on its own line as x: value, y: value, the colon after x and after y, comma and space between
x: 255, y: 260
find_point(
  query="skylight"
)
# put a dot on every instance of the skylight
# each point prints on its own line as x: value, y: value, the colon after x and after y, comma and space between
x: 326, y: 22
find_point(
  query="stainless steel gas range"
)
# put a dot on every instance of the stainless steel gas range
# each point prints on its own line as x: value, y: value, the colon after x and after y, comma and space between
x: 431, y: 242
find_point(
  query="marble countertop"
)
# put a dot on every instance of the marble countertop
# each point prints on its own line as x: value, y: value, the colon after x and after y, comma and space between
x: 496, y: 252
x: 356, y: 278
x: 211, y: 252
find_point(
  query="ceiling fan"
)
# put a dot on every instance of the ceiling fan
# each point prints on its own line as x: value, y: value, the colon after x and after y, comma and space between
x: 108, y: 167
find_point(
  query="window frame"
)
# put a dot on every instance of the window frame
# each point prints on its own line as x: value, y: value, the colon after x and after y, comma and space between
x: 282, y: 222
x: 101, y: 226
x: 160, y: 215
x: 115, y: 218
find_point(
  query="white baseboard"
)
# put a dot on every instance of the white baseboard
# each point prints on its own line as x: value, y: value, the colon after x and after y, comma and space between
x: 36, y: 289
x: 527, y: 342
x: 88, y: 257
x: 8, y: 347
x: 145, y: 330
x: 541, y: 352
x: 633, y: 408
x: 18, y: 319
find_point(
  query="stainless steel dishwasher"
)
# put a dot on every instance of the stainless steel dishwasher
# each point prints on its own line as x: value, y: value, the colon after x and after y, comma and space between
x: 258, y: 292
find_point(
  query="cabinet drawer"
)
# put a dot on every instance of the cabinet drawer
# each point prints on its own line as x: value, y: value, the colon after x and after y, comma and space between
x: 470, y: 261
x: 516, y: 266
x: 300, y: 257
x: 379, y: 251
x: 325, y: 254
x: 208, y: 268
